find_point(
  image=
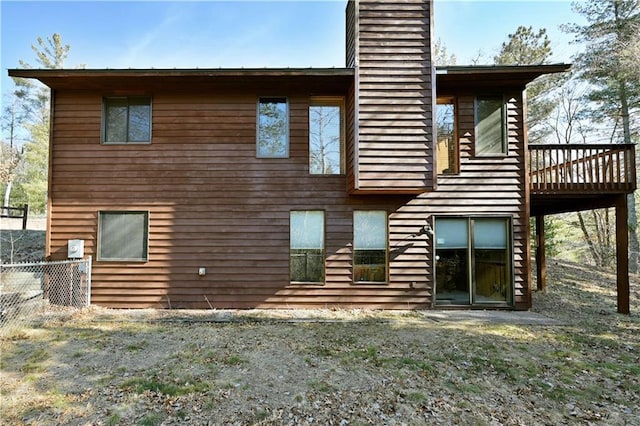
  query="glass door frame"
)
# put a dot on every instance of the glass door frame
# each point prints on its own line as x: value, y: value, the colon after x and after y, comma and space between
x: 471, y: 262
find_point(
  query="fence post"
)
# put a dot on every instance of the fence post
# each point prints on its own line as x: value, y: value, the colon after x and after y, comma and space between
x: 25, y: 214
x: 88, y: 283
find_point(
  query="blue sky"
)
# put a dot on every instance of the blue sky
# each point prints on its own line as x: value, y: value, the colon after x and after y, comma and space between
x: 303, y: 33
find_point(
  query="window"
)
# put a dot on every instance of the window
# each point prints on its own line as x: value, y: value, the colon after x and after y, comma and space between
x: 452, y: 261
x: 123, y: 236
x: 446, y: 146
x: 273, y: 128
x: 326, y: 146
x: 490, y: 126
x: 473, y: 260
x: 306, y: 237
x: 369, y: 246
x: 127, y: 120
x: 491, y: 260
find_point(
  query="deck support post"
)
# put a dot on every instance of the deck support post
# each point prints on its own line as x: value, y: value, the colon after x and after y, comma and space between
x: 622, y: 254
x: 541, y: 261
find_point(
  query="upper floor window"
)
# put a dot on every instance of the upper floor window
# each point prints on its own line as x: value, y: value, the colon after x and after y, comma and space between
x: 490, y: 126
x: 306, y: 246
x: 447, y: 145
x: 326, y: 137
x: 123, y: 235
x: 273, y: 128
x: 370, y: 246
x: 127, y: 120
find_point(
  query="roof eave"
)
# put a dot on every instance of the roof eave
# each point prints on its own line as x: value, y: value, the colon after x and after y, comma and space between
x: 493, y: 76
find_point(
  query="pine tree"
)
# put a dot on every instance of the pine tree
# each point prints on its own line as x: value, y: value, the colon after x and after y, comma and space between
x: 440, y: 55
x: 528, y: 47
x: 611, y: 30
x: 525, y: 47
x: 35, y: 100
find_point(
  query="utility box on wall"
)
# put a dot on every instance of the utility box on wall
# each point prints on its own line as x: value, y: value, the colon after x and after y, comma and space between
x: 75, y: 249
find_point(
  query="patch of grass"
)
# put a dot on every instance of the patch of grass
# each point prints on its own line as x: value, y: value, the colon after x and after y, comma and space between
x: 227, y: 385
x: 323, y: 351
x: 261, y: 415
x: 185, y: 386
x: 31, y: 378
x: 34, y: 361
x: 233, y: 360
x: 347, y: 340
x: 509, y: 371
x: 321, y: 386
x: 632, y: 369
x: 469, y: 388
x: 113, y: 419
x: 16, y: 335
x: 413, y: 364
x: 152, y: 419
x: 138, y: 346
x: 416, y: 396
x: 104, y: 380
x: 370, y: 355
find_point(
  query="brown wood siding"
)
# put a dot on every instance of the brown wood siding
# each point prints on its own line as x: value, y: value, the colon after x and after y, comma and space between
x: 213, y: 204
x: 350, y: 36
x: 394, y: 145
x: 350, y: 135
x: 485, y: 186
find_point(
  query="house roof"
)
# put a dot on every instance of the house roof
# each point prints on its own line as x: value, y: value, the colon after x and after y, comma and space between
x: 201, y: 78
x: 448, y: 78
x: 491, y: 76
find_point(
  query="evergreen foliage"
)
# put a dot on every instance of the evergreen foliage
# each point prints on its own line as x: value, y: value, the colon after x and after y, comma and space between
x: 29, y: 114
x: 610, y: 35
x: 529, y: 47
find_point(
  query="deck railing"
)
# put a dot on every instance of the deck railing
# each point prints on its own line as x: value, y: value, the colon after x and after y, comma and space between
x: 567, y: 168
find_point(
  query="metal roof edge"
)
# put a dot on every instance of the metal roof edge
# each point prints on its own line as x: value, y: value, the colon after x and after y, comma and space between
x: 176, y: 72
x: 485, y: 69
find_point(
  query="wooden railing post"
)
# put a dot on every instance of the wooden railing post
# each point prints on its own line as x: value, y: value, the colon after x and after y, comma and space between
x: 622, y: 254
x: 25, y: 213
x: 541, y: 264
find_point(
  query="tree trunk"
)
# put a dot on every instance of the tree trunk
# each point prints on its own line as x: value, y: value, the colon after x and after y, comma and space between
x: 587, y: 238
x: 7, y: 196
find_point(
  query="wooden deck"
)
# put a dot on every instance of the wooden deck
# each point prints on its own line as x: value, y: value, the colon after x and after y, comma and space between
x: 579, y: 177
x: 565, y: 178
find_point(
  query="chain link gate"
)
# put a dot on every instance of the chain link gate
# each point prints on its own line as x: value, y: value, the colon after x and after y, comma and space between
x: 28, y: 290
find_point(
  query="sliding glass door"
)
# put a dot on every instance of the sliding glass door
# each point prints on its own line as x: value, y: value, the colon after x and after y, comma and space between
x: 473, y: 261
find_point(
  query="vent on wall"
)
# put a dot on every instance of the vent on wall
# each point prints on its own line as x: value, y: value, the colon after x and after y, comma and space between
x: 75, y: 249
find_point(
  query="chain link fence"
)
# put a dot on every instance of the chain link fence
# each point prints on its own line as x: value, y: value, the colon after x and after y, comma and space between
x: 29, y: 290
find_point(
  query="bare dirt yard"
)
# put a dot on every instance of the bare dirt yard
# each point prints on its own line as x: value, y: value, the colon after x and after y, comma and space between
x: 579, y: 365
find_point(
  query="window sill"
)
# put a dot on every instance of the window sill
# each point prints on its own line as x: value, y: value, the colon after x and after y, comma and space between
x: 374, y: 283
x: 125, y: 143
x: 123, y: 260
x: 496, y: 156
